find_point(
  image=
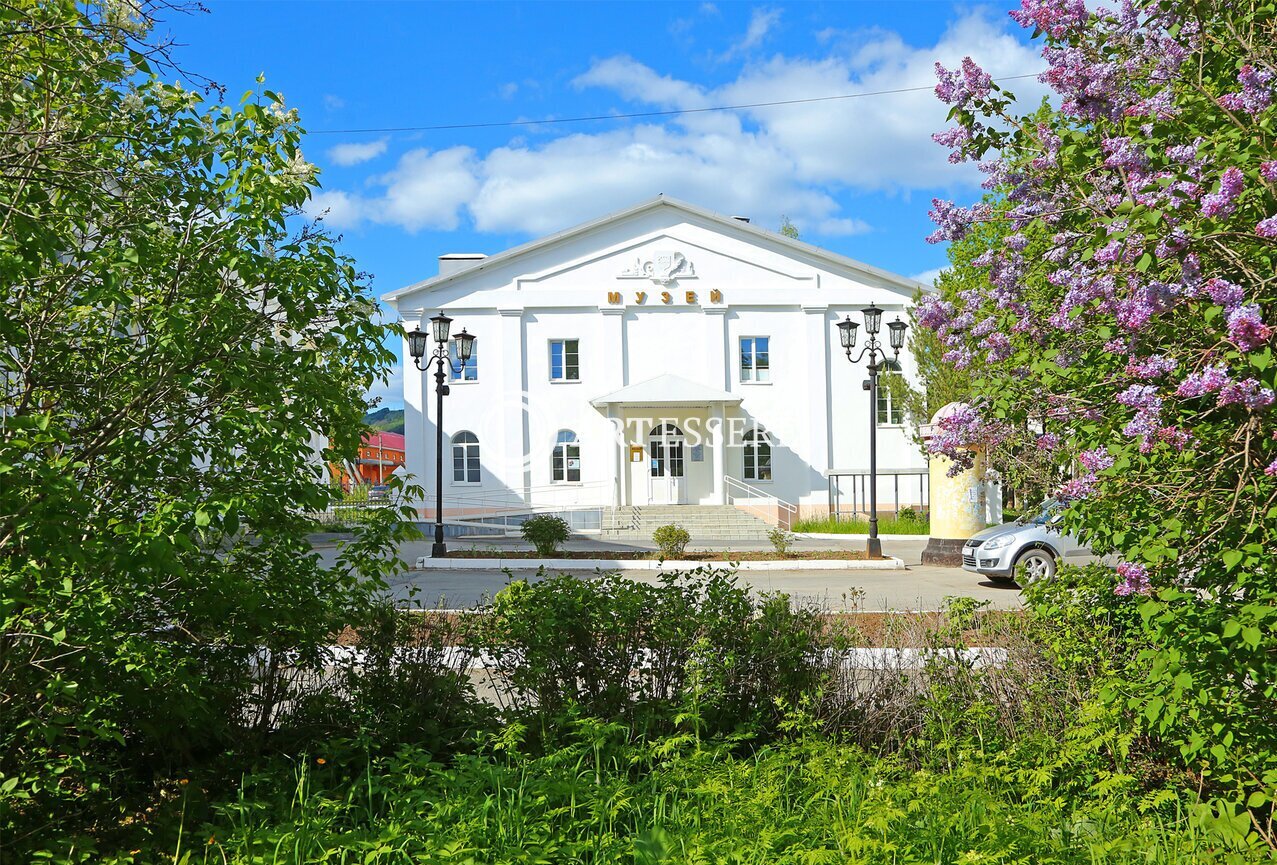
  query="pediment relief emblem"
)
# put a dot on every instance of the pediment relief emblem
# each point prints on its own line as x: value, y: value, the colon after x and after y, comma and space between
x: 663, y: 268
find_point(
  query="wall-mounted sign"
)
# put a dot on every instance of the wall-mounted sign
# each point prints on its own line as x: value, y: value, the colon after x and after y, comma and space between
x: 662, y: 268
x: 698, y: 453
x: 636, y: 453
x: 665, y: 297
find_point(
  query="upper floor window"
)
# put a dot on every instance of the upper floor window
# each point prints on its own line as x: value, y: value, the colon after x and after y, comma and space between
x: 471, y: 372
x: 758, y: 455
x: 890, y: 411
x: 565, y: 360
x: 565, y: 464
x: 465, y: 458
x: 755, y: 360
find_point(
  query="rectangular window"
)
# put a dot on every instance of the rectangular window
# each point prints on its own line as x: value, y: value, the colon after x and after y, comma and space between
x: 565, y: 360
x: 890, y: 412
x: 755, y: 360
x: 471, y: 372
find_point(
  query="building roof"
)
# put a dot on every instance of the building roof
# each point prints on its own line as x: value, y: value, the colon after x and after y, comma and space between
x: 729, y: 222
x: 387, y: 440
x: 665, y: 390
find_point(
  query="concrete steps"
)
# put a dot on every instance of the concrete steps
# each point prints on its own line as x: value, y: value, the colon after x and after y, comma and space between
x: 703, y: 522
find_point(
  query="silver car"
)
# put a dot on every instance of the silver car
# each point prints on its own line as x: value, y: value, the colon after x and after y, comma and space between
x: 1034, y: 543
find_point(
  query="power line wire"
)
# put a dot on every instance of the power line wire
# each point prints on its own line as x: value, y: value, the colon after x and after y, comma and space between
x: 639, y: 114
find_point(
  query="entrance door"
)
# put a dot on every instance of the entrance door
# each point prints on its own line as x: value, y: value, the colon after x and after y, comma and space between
x: 665, y: 466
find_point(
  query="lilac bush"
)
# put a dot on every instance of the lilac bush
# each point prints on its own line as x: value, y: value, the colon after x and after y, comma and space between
x: 1137, y: 347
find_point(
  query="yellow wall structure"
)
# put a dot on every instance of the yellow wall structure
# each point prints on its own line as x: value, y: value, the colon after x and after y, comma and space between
x: 958, y: 504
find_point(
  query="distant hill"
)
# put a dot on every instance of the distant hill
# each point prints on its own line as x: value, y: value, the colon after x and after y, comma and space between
x: 386, y: 419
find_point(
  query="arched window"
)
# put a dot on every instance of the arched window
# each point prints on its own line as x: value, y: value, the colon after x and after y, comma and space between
x: 890, y: 412
x: 465, y: 458
x: 565, y: 463
x: 758, y: 455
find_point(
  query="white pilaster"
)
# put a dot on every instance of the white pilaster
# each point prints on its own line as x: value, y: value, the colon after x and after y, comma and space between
x: 716, y: 365
x: 719, y: 454
x: 514, y: 432
x: 818, y: 392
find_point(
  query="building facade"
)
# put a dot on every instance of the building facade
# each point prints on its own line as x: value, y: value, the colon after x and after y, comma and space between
x: 661, y: 355
x: 380, y: 454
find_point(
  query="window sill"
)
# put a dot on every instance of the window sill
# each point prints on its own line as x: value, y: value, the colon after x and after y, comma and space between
x: 457, y: 382
x: 565, y: 381
x: 756, y: 383
x: 467, y: 483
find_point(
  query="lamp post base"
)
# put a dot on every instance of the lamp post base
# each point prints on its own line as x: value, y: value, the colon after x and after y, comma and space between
x: 873, y: 548
x: 438, y: 551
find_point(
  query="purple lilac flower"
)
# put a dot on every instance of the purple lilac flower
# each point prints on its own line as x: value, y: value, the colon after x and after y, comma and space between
x: 1224, y: 202
x: 1271, y: 471
x: 1048, y: 442
x: 1224, y: 293
x: 1140, y: 396
x: 1256, y: 93
x: 1077, y: 488
x: 957, y: 139
x: 953, y: 221
x: 1248, y: 393
x: 1182, y: 153
x: 1246, y: 327
x: 1267, y: 227
x: 1151, y: 367
x: 1123, y: 153
x: 1096, y: 459
x: 1268, y: 171
x: 960, y: 88
x: 1209, y: 380
x: 1055, y: 18
x: 1134, y: 580
x: 1175, y: 437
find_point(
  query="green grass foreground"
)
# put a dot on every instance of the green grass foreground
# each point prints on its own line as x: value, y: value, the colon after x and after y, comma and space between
x: 598, y: 799
x: 904, y: 525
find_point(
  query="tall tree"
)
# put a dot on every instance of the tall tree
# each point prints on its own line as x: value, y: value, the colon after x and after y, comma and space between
x: 173, y: 337
x: 1142, y: 337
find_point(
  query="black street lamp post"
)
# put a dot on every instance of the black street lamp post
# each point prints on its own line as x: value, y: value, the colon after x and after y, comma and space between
x: 418, y: 342
x: 847, y: 333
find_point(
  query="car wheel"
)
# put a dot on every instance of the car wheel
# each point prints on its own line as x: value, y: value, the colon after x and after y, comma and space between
x: 1037, y: 565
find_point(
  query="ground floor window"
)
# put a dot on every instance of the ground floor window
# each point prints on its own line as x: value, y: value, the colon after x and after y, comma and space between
x: 565, y: 464
x: 890, y: 412
x: 758, y: 456
x: 465, y: 458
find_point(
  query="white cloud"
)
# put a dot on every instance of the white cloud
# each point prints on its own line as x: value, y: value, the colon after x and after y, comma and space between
x: 424, y: 190
x: 761, y: 162
x: 333, y: 102
x: 357, y: 152
x: 929, y: 276
x: 388, y: 391
x: 761, y: 23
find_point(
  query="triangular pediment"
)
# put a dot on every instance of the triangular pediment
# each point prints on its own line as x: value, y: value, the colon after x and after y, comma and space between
x: 659, y: 245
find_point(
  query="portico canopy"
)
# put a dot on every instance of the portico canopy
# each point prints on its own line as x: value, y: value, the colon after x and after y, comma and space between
x: 666, y: 390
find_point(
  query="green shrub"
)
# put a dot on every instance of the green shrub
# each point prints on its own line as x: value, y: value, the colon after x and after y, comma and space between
x: 695, y: 645
x: 545, y: 532
x: 671, y: 540
x: 782, y: 541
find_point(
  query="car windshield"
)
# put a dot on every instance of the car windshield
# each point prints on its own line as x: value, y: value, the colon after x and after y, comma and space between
x: 1043, y: 514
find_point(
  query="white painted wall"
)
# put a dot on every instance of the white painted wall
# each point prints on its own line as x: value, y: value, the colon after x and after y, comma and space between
x: 814, y: 406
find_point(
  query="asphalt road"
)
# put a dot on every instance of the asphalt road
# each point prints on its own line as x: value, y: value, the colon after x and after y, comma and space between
x: 916, y: 588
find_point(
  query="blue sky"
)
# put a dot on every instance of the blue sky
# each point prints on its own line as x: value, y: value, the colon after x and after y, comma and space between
x: 856, y: 176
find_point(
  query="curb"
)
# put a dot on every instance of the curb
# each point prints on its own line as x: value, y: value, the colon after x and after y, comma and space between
x: 425, y: 563
x: 826, y: 536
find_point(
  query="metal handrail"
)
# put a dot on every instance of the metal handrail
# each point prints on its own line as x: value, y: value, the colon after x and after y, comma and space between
x: 785, y: 511
x: 565, y: 497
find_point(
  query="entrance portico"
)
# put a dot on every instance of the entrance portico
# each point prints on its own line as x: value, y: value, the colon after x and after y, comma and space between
x: 671, y: 442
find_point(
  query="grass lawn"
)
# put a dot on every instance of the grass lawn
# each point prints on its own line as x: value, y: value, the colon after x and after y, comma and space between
x: 886, y: 526
x: 646, y: 555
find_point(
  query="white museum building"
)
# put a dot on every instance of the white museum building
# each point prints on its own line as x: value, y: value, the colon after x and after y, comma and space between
x: 662, y: 355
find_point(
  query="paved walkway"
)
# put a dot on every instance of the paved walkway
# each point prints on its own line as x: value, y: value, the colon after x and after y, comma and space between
x: 917, y: 588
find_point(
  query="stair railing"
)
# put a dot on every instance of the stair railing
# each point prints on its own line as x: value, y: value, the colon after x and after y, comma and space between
x: 769, y: 508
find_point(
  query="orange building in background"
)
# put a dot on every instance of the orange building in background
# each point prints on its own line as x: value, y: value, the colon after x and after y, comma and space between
x: 380, y: 453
